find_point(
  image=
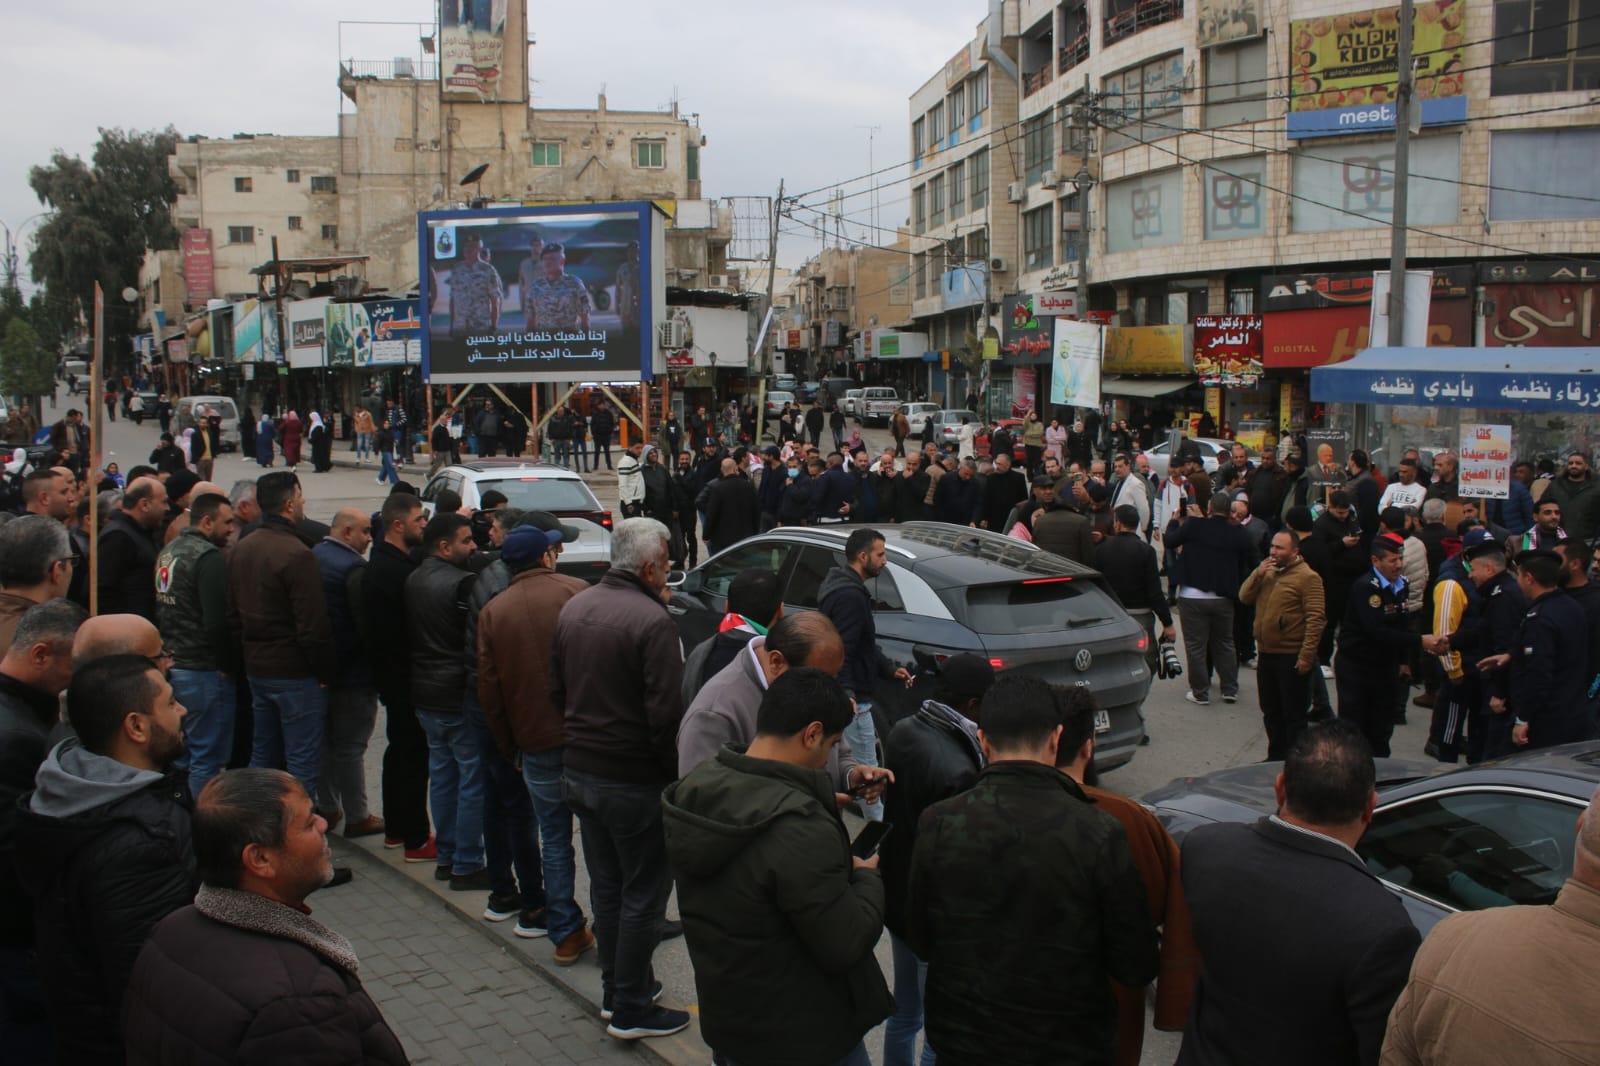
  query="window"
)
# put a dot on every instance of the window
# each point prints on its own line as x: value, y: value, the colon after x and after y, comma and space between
x: 324, y: 183
x: 546, y: 153
x: 978, y: 93
x: 1069, y: 227
x: 1144, y: 212
x: 958, y: 190
x: 1125, y: 17
x: 718, y: 576
x: 1038, y: 147
x: 296, y: 222
x: 919, y: 275
x: 691, y: 162
x: 1544, y: 46
x: 978, y: 245
x: 919, y: 209
x: 1473, y: 850
x: 292, y: 176
x: 958, y: 108
x: 810, y: 568
x: 936, y: 201
x: 1144, y: 103
x: 1236, y: 83
x: 978, y: 178
x: 1037, y: 238
x: 919, y: 138
x: 1351, y: 186
x: 243, y: 185
x: 1231, y: 191
x: 241, y: 235
x: 1540, y: 174
x: 330, y: 233
x: 935, y: 126
x: 651, y: 155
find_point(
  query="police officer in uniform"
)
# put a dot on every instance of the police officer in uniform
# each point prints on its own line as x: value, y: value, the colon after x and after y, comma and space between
x: 1502, y: 606
x: 1374, y: 644
x: 1548, y: 659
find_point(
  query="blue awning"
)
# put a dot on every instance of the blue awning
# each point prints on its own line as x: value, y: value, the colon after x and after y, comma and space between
x: 1514, y: 379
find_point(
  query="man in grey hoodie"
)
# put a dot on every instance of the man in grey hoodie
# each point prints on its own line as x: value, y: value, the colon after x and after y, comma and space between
x: 103, y: 847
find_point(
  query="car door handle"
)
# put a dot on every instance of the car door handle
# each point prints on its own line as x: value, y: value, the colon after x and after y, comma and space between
x: 676, y: 610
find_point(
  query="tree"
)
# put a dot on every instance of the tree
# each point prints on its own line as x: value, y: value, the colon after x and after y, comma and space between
x: 105, y: 215
x: 26, y: 366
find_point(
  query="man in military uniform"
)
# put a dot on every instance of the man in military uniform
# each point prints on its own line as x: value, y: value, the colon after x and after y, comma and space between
x: 1374, y: 643
x: 475, y: 290
x: 1502, y: 606
x: 1547, y: 661
x: 529, y: 271
x: 192, y: 614
x: 559, y: 300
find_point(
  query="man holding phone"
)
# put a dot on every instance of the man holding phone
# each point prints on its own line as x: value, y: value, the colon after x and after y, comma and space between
x: 763, y: 862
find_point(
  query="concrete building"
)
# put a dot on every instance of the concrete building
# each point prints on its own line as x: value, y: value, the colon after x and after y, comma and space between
x: 833, y: 300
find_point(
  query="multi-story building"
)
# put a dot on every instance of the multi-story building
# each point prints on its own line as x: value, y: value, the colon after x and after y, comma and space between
x: 833, y: 301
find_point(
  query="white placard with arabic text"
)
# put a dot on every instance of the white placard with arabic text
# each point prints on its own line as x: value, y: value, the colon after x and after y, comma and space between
x: 1485, y: 461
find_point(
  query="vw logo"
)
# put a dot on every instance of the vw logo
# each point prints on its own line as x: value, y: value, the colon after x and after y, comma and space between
x: 1083, y: 660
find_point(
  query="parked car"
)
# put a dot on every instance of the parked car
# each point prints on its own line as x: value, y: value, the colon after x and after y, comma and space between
x: 947, y: 424
x: 532, y: 486
x: 1442, y: 839
x: 784, y: 382
x: 851, y: 404
x: 1213, y: 453
x: 808, y: 392
x: 776, y: 398
x: 837, y: 388
x: 949, y: 590
x: 184, y: 416
x: 878, y: 405
x: 917, y: 415
x: 1019, y: 453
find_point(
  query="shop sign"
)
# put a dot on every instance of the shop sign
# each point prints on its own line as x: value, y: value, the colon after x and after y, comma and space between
x: 1227, y: 349
x: 1540, y: 316
x: 1147, y: 350
x: 1486, y: 461
x: 1024, y: 390
x: 1075, y: 379
x: 1289, y: 292
x: 1520, y: 273
x: 1055, y: 303
x: 1026, y: 337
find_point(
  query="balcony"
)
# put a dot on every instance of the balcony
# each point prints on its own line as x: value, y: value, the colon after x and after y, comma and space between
x: 1129, y: 18
x: 1073, y: 54
x: 1032, y: 83
x: 186, y: 209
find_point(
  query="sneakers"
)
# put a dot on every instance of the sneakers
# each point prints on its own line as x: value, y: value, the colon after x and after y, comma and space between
x: 1327, y: 673
x: 1230, y: 699
x: 441, y: 872
x: 531, y: 924
x: 573, y: 947
x: 671, y: 929
x: 394, y: 842
x: 369, y: 826
x: 429, y: 852
x: 657, y: 1021
x: 605, y: 1004
x: 476, y: 881
x: 1198, y: 701
x: 502, y: 907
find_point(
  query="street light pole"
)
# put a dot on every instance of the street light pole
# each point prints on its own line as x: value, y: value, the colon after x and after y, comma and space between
x: 1402, y: 177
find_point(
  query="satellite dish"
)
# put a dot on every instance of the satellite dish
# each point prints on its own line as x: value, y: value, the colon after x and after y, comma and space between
x: 475, y: 174
x: 130, y: 294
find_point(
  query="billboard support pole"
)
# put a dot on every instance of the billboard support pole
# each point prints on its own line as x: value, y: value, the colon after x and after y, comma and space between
x: 766, y: 334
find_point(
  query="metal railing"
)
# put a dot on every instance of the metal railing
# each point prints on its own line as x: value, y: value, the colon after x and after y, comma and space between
x: 389, y: 69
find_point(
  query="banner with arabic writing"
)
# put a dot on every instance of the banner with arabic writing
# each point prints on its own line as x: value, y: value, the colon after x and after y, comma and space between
x: 1540, y: 316
x: 1485, y: 461
x: 1227, y: 349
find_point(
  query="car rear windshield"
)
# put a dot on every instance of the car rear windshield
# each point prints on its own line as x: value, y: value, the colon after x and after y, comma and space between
x: 1041, y: 605
x: 543, y: 493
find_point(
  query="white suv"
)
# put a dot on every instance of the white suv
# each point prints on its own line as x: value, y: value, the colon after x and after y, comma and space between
x: 533, y: 486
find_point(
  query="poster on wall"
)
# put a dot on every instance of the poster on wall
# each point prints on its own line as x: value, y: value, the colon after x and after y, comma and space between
x: 395, y: 336
x: 199, y: 271
x: 1075, y: 378
x: 472, y: 47
x: 307, y: 328
x: 1486, y: 461
x: 1330, y: 450
x: 1226, y: 21
x: 1227, y: 349
x: 347, y: 323
x: 255, y: 333
x: 1024, y: 390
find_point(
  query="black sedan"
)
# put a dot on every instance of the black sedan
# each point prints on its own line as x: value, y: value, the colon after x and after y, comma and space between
x: 1442, y: 839
x: 947, y: 590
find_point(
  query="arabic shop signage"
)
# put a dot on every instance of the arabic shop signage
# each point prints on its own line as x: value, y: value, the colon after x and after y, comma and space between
x: 1540, y: 316
x: 1572, y: 270
x: 1227, y: 349
x: 1492, y: 390
x: 1293, y: 339
x: 1292, y: 292
x: 1147, y: 350
x: 1028, y: 338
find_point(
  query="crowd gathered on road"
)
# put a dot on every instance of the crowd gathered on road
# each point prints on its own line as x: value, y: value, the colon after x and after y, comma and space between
x: 170, y: 768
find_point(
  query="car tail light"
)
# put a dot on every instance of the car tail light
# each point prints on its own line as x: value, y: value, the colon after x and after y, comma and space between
x: 997, y: 663
x: 605, y: 519
x: 1045, y: 580
x: 1144, y: 642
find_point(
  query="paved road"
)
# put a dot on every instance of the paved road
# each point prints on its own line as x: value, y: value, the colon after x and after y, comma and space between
x: 1185, y: 740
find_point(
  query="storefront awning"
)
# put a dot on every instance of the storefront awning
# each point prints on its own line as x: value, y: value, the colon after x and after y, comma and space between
x: 1516, y: 379
x: 1147, y: 388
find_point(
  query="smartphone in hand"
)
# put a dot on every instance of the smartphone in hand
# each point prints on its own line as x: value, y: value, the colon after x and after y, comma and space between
x: 871, y: 837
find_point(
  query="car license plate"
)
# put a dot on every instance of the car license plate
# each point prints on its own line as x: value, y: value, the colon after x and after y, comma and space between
x: 1102, y: 721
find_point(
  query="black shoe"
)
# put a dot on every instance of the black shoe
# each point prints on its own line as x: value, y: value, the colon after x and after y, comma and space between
x: 342, y: 875
x: 605, y: 1004
x: 657, y: 1021
x: 531, y: 924
x: 671, y: 929
x: 476, y: 881
x: 441, y: 873
x: 501, y: 907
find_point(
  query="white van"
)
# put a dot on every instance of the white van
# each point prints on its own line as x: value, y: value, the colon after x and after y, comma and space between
x: 216, y: 405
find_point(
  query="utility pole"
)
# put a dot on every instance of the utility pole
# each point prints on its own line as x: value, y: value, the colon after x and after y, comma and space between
x: 1083, y: 203
x: 766, y: 334
x: 1402, y: 175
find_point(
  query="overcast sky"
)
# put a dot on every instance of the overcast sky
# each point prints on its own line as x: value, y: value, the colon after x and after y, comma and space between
x: 781, y: 89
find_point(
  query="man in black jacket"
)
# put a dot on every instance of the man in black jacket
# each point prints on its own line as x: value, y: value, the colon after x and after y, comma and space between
x: 755, y: 603
x: 1025, y: 901
x: 383, y: 596
x: 958, y: 498
x: 933, y: 754
x: 1002, y: 490
x: 1302, y: 950
x: 733, y: 511
x: 1335, y: 551
x: 1130, y: 566
x: 128, y: 550
x: 1216, y: 557
x: 262, y: 981
x: 103, y: 847
x: 1548, y: 662
x: 437, y: 593
x: 911, y: 491
x: 814, y: 422
x: 601, y: 425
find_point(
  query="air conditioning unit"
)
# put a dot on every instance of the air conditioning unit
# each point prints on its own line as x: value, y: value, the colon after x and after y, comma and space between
x: 673, y: 334
x: 1015, y: 192
x: 998, y: 265
x: 717, y: 281
x: 1048, y: 179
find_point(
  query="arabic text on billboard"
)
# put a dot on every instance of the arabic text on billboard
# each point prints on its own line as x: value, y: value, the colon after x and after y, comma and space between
x: 1227, y: 349
x: 396, y: 333
x: 471, y: 46
x: 540, y: 293
x: 1541, y: 316
x: 199, y: 274
x: 1346, y: 64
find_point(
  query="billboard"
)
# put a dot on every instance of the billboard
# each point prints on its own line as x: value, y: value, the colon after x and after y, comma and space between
x: 1147, y: 349
x: 541, y: 293
x: 1227, y: 349
x: 1540, y: 316
x: 472, y: 47
x: 711, y: 337
x: 199, y: 273
x: 344, y: 323
x: 395, y: 337
x: 307, y: 328
x: 1227, y: 21
x: 1075, y: 377
x: 1026, y: 337
x: 1344, y: 69
x: 255, y: 333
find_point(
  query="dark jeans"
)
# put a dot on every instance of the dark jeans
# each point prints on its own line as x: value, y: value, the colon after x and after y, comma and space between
x: 626, y: 855
x: 1207, y: 642
x: 1366, y: 697
x: 24, y: 1023
x: 405, y: 773
x: 1244, y: 630
x: 602, y: 446
x: 1284, y: 693
x: 510, y: 846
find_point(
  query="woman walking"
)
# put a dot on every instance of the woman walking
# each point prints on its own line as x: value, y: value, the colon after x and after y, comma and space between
x: 321, y: 445
x: 386, y: 443
x: 290, y: 430
x: 265, y: 437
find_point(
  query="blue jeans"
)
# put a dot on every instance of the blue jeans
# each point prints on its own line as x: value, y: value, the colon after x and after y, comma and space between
x: 862, y: 736
x: 563, y: 449
x: 288, y: 718
x: 900, y: 1031
x: 542, y: 776
x: 510, y: 847
x: 208, y: 725
x: 388, y: 472
x: 363, y: 445
x: 455, y: 790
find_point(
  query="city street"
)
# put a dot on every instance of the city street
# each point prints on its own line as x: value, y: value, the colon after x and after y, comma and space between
x: 428, y: 992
